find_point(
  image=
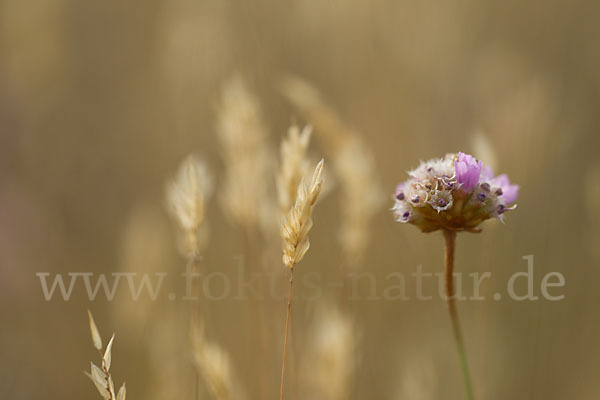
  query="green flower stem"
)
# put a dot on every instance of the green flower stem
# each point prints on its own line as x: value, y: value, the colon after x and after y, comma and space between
x: 450, y: 237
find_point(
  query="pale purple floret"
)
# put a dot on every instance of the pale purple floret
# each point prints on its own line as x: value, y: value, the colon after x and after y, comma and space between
x: 487, y: 173
x: 508, y: 192
x: 400, y: 191
x: 467, y: 170
x: 402, y: 211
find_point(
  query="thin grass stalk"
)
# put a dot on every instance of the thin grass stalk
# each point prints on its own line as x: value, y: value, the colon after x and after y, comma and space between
x: 252, y: 244
x: 450, y: 237
x: 285, y: 337
x: 294, y: 232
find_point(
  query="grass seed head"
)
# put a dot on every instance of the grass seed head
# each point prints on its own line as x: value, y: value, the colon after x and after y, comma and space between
x: 298, y: 223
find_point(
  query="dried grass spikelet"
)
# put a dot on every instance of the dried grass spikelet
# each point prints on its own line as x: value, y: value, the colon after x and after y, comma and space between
x: 243, y: 137
x: 361, y: 197
x: 186, y: 195
x: 333, y: 355
x: 100, y: 376
x: 352, y: 162
x: 214, y: 366
x: 309, y: 101
x: 297, y: 224
x: 294, y: 165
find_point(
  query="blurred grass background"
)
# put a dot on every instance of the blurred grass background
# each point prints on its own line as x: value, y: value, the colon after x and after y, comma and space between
x: 100, y: 100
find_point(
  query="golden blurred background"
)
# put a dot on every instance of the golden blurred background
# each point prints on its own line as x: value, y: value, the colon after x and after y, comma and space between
x: 101, y: 100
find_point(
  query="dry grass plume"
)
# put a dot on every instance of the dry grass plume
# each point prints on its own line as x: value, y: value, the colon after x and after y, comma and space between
x: 248, y: 162
x: 298, y: 223
x: 187, y: 195
x: 214, y: 367
x: 353, y: 165
x: 294, y: 165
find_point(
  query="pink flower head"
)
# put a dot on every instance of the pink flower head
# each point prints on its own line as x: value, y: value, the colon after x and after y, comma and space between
x: 455, y: 193
x: 467, y: 170
x: 509, y: 192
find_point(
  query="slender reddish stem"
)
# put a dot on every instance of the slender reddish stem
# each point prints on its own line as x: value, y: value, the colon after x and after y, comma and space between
x: 450, y: 237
